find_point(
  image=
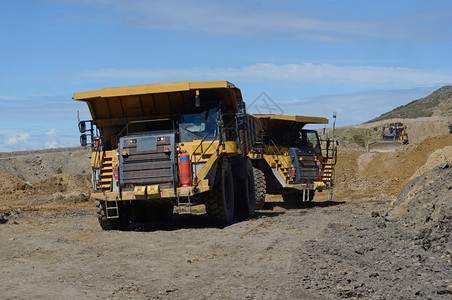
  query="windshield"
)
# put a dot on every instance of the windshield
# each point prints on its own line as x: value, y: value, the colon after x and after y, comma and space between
x: 310, y: 139
x: 198, y: 125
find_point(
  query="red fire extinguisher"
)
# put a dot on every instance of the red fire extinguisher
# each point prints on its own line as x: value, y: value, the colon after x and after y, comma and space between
x: 184, y: 169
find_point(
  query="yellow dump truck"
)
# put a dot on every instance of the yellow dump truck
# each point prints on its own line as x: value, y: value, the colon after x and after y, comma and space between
x: 160, y: 146
x: 290, y: 160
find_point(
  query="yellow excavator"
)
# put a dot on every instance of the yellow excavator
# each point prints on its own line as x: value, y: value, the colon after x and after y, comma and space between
x: 392, y: 136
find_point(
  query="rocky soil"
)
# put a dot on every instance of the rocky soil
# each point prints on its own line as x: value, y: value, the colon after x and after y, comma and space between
x: 385, y: 235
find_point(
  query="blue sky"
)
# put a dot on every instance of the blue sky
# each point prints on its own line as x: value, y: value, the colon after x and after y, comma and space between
x: 310, y: 57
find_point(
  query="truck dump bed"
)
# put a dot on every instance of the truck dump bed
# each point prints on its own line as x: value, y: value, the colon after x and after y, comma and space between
x: 113, y: 108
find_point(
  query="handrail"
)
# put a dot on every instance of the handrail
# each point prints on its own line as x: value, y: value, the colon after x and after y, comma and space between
x: 98, y: 165
x: 205, y: 137
x: 278, y: 153
x: 220, y: 126
x: 193, y: 155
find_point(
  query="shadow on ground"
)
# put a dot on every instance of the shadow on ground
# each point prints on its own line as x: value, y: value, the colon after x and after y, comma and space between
x: 296, y: 204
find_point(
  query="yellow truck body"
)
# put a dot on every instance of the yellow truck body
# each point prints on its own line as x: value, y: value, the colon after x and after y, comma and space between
x: 290, y: 158
x: 169, y: 145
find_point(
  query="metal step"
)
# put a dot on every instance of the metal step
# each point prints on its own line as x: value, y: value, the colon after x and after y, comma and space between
x: 112, y: 209
x: 180, y: 204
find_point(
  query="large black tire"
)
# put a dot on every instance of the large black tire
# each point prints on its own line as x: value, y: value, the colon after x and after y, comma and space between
x: 260, y: 187
x: 244, y: 188
x: 220, y: 201
x: 120, y: 223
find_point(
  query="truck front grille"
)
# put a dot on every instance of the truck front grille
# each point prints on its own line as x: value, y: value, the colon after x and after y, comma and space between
x: 145, y: 159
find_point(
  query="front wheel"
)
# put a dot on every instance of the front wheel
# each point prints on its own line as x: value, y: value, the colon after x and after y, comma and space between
x: 244, y: 185
x: 121, y: 218
x: 220, y: 201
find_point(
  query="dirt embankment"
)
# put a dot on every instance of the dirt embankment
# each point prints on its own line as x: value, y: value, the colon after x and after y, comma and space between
x: 358, y: 136
x: 372, y: 175
x: 40, y: 179
x: 425, y: 204
x: 33, y: 166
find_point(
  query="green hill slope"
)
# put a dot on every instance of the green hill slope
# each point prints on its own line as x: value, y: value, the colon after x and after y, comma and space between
x: 439, y: 103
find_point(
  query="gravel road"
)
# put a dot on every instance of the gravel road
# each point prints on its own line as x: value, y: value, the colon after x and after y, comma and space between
x: 327, y: 250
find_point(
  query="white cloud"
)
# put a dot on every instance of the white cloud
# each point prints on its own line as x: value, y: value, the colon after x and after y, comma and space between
x: 305, y: 73
x: 8, y: 98
x: 52, y: 140
x: 17, y: 139
x: 241, y: 18
x: 52, y: 133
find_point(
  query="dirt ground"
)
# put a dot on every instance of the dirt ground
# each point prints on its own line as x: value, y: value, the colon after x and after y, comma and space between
x: 385, y: 235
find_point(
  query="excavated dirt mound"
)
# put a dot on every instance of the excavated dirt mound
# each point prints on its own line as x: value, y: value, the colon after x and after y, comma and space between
x: 56, y: 191
x: 425, y: 204
x: 371, y: 175
x: 33, y: 166
x: 45, y: 179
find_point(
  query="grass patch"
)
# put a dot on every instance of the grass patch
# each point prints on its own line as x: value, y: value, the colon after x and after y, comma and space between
x: 359, y: 136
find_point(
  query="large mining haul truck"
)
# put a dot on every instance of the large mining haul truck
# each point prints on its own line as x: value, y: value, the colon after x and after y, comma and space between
x: 157, y: 147
x: 290, y: 160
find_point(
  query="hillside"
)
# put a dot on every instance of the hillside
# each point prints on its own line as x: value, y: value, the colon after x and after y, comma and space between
x: 439, y: 103
x: 418, y: 130
x: 427, y: 117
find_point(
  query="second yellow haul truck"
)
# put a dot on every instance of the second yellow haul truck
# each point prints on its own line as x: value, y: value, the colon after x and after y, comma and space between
x: 160, y: 146
x: 290, y: 160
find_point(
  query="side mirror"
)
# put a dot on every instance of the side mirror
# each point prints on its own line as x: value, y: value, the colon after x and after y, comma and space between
x: 82, y: 126
x: 83, y: 140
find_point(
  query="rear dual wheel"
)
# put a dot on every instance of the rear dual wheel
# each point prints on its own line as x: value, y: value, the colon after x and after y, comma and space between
x: 260, y: 187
